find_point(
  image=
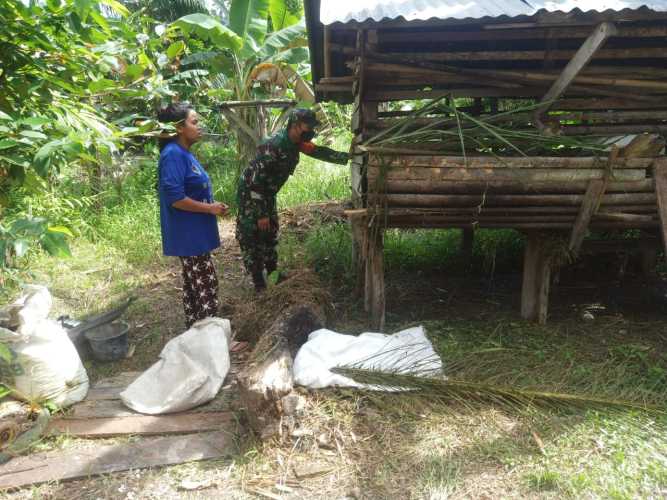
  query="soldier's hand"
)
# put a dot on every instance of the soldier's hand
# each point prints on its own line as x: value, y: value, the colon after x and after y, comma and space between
x: 264, y: 224
x: 218, y: 209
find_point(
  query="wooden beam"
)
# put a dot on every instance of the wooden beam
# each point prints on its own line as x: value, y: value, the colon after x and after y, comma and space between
x: 619, y: 216
x: 521, y: 226
x: 611, y: 130
x: 495, y: 200
x: 526, y: 55
x: 589, y: 206
x: 533, y: 33
x: 509, y: 187
x: 583, y: 56
x: 498, y: 174
x: 234, y: 119
x: 270, y: 103
x: 428, y: 159
x: 60, y: 465
x: 141, y: 424
x: 394, y: 212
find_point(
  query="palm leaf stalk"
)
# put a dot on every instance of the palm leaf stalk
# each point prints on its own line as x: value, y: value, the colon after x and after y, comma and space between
x: 484, y: 134
x: 442, y: 390
x: 416, y: 370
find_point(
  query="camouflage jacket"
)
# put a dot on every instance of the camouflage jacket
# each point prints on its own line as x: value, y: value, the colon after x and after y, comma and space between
x: 276, y: 159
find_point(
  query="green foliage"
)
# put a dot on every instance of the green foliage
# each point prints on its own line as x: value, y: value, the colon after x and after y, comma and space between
x: 16, y: 238
x: 79, y: 79
x: 284, y: 14
x: 209, y: 29
x: 167, y: 10
x: 248, y: 19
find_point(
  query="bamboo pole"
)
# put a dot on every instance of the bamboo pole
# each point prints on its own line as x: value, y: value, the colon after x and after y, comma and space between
x: 526, y: 55
x: 500, y: 174
x: 267, y: 103
x: 393, y: 212
x: 441, y: 200
x: 506, y: 187
x: 534, y: 33
x: 472, y: 162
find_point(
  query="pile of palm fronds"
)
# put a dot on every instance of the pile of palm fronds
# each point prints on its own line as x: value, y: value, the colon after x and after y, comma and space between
x: 506, y: 133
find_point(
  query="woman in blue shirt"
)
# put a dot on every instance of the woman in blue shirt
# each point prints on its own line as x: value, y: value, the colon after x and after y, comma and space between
x: 188, y: 212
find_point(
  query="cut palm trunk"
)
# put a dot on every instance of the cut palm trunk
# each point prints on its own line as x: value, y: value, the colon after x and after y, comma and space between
x: 267, y: 381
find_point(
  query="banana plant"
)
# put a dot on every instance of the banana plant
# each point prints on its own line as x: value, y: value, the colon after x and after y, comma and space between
x: 262, y: 35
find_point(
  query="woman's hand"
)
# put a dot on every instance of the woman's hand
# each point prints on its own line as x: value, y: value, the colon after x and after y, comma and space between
x: 264, y: 224
x: 219, y: 209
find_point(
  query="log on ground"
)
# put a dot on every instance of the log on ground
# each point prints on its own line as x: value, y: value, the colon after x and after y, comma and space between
x: 268, y: 379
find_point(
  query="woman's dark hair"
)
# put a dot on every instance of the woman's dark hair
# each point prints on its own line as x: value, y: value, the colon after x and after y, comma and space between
x: 174, y: 113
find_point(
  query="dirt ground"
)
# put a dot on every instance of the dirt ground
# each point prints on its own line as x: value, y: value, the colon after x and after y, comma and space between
x: 353, y: 445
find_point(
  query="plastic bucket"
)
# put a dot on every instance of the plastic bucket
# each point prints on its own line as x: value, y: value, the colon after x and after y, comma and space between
x: 109, y: 342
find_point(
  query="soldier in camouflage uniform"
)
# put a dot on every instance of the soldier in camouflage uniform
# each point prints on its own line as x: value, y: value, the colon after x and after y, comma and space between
x: 276, y: 159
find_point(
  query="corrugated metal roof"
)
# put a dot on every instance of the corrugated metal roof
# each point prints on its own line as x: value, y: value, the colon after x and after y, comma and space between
x: 332, y: 11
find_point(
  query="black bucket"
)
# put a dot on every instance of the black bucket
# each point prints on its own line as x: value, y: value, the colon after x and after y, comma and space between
x: 109, y: 342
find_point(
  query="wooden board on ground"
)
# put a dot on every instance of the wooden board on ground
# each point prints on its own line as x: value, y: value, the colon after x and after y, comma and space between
x: 108, y: 408
x: 103, y: 399
x: 179, y: 423
x: 110, y: 388
x: 150, y: 452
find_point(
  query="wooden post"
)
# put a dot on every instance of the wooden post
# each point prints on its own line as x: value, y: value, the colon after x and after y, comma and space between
x: 660, y: 174
x: 357, y: 224
x: 374, y: 299
x: 327, y: 51
x: 467, y: 240
x: 536, y: 279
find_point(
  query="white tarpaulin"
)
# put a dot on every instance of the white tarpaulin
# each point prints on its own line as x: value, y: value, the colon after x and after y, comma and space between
x: 190, y: 371
x: 408, y: 352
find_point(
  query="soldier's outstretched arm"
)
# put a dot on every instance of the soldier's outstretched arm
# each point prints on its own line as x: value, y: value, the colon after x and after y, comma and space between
x: 324, y: 153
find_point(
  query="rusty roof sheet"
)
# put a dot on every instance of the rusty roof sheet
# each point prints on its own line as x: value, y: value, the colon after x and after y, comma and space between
x: 332, y: 11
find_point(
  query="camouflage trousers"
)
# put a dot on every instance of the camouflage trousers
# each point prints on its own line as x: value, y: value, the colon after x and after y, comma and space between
x: 257, y: 247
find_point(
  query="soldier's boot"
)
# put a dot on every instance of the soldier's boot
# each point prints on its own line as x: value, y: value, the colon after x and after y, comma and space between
x: 259, y: 281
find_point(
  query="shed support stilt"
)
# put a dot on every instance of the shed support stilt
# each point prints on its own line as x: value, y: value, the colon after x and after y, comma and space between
x: 467, y: 241
x: 660, y: 175
x: 537, y: 263
x: 374, y: 299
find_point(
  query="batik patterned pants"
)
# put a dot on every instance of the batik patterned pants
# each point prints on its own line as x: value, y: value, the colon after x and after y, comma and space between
x: 200, y: 288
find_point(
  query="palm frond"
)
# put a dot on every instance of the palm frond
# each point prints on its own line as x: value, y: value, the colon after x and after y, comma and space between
x: 474, y: 393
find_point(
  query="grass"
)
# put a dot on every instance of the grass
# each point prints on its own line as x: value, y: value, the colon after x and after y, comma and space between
x: 328, y: 249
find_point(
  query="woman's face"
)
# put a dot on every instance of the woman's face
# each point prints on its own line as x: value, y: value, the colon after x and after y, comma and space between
x: 189, y: 129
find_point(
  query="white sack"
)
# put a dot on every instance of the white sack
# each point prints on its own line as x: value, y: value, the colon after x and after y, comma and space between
x: 190, y: 371
x: 408, y: 351
x: 44, y: 364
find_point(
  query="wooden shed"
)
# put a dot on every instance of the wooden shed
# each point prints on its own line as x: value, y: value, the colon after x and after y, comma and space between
x: 586, y: 74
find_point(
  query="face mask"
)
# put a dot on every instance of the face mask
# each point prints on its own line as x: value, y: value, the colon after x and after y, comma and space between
x: 307, y: 136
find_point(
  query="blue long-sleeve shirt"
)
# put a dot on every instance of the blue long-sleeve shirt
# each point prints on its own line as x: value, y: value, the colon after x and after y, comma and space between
x: 184, y: 233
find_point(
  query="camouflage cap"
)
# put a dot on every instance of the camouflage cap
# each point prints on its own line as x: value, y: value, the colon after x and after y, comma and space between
x: 303, y: 115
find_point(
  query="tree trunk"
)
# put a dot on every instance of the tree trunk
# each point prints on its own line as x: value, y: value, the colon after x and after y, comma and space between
x: 267, y: 381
